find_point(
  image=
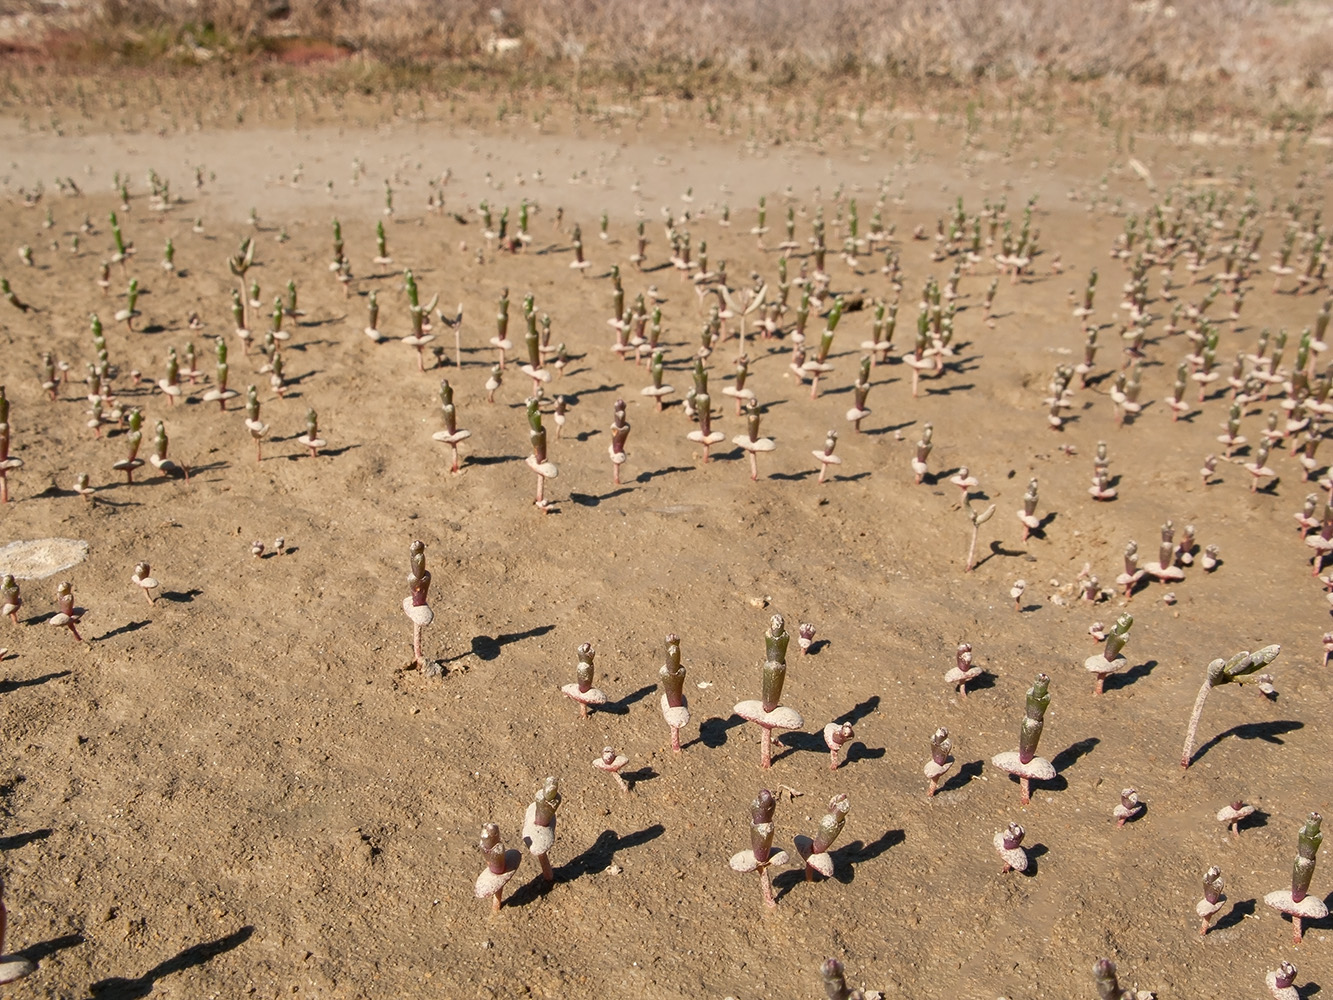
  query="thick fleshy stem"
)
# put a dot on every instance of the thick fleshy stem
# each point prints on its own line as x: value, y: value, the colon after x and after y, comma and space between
x: 761, y: 839
x: 418, y: 583
x: 66, y: 615
x: 776, y: 640
x: 1307, y: 846
x: 830, y: 827
x: 545, y: 803
x: 1223, y: 672
x: 940, y: 748
x: 672, y: 676
x: 1212, y: 898
x: 619, y: 434
x: 493, y: 850
x: 10, y: 599
x: 1029, y: 733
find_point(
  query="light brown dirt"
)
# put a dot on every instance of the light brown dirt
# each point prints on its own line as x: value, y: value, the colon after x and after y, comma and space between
x: 244, y: 790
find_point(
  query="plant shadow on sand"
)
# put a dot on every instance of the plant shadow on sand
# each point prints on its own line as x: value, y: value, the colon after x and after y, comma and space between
x: 486, y: 647
x: 594, y: 860
x: 117, y: 988
x: 845, y: 861
x: 1269, y: 732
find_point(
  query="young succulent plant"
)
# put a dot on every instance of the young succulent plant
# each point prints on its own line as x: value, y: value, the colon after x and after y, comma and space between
x: 769, y: 714
x: 1211, y: 905
x: 1024, y: 762
x: 68, y: 616
x: 253, y: 424
x: 612, y: 763
x: 414, y: 605
x: 978, y: 518
x: 1027, y: 516
x: 12, y: 968
x: 750, y: 442
x: 1281, y: 982
x: 826, y: 456
x: 835, y: 982
x: 1224, y: 672
x: 815, y: 852
x: 1009, y: 845
x: 675, y: 709
x: 761, y: 854
x: 311, y: 439
x: 658, y: 391
x: 963, y: 672
x: 941, y: 760
x: 1232, y: 814
x: 836, y: 734
x: 1130, y: 807
x: 1297, y: 902
x: 10, y: 599
x: 1108, y: 985
x: 500, y: 866
x: 7, y: 462
x: 582, y: 691
x: 142, y: 578
x: 539, y: 825
x: 537, y: 461
x: 922, y: 454
x: 1110, y: 661
x: 451, y: 435
x: 619, y: 434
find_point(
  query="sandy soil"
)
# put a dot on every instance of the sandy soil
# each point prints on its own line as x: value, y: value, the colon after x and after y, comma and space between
x: 245, y: 789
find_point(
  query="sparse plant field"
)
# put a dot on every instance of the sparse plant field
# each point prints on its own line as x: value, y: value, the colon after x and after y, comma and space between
x: 254, y: 784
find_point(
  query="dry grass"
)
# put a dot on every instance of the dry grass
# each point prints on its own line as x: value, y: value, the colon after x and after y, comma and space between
x: 1260, y: 48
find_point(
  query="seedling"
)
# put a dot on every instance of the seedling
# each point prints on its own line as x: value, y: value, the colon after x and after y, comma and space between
x: 1108, y: 986
x: 414, y: 605
x: 142, y: 578
x: 1009, y: 845
x: 737, y: 390
x: 419, y: 337
x: 253, y: 424
x: 68, y: 616
x: 761, y: 854
x: 373, y: 317
x: 1109, y: 661
x: 451, y: 435
x: 1213, y: 898
x: 963, y: 672
x: 612, y: 763
x: 1224, y: 672
x: 500, y: 866
x: 1131, y: 807
x: 860, y: 390
x: 941, y: 760
x: 1028, y: 516
x: 768, y: 714
x: 10, y: 599
x: 7, y: 461
x: 805, y: 637
x: 311, y: 438
x: 539, y: 825
x: 13, y: 299
x: 826, y: 457
x: 583, y: 692
x: 1232, y: 814
x: 1297, y: 902
x: 538, y: 461
x: 836, y: 734
x: 1024, y: 762
x: 675, y: 709
x: 978, y: 518
x: 815, y: 852
x: 619, y: 434
x: 835, y: 982
x: 1281, y: 982
x: 705, y: 435
x: 750, y: 442
x: 923, y: 447
x: 658, y: 391
x: 1101, y: 488
x: 1016, y: 593
x: 134, y: 438
x: 1165, y: 568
